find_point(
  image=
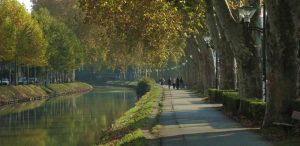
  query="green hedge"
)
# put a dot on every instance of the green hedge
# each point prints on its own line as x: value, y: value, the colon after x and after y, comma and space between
x: 216, y: 95
x: 257, y: 110
x: 143, y: 86
x: 231, y: 102
x: 253, y: 109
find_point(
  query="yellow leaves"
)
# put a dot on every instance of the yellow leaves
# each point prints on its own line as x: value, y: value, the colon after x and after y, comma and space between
x: 7, y: 39
x: 234, y: 4
x: 21, y: 36
x: 139, y: 31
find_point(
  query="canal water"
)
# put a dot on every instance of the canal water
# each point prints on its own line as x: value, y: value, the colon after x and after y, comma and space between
x: 64, y: 121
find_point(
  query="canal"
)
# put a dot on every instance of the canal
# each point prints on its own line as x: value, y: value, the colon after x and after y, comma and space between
x: 64, y: 121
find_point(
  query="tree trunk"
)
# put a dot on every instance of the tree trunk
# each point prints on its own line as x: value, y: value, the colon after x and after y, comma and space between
x: 73, y: 78
x: 200, y: 69
x: 226, y: 55
x: 10, y: 75
x: 16, y: 73
x: 227, y: 73
x: 27, y: 67
x: 51, y: 77
x: 282, y: 59
x: 1, y: 72
x: 244, y: 49
x: 35, y: 78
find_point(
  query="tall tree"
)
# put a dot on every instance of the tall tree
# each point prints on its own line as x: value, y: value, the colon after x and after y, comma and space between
x: 31, y: 45
x: 92, y: 38
x: 283, y: 32
x: 24, y: 41
x: 222, y: 46
x: 7, y: 39
x: 150, y: 28
x: 64, y: 51
x: 243, y: 46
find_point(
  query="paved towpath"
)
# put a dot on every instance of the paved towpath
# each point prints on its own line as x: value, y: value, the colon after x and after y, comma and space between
x: 189, y: 121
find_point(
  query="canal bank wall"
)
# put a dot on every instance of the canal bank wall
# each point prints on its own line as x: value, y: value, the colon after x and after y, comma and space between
x: 25, y: 93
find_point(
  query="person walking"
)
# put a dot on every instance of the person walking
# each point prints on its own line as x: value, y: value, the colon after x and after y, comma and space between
x: 169, y: 82
x: 177, y: 83
x: 163, y: 81
x: 174, y: 83
x: 181, y: 83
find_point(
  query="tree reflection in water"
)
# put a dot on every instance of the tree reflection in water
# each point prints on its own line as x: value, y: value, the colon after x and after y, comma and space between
x: 69, y: 120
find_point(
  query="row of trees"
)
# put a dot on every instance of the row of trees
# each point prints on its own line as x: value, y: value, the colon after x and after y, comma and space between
x: 240, y: 57
x: 119, y: 35
x: 282, y: 35
x: 147, y: 26
x: 36, y: 41
x: 150, y: 34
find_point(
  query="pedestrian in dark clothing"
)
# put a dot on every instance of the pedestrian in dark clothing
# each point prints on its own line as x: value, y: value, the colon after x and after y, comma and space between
x: 169, y: 82
x: 162, y: 81
x: 174, y: 83
x: 177, y: 83
x: 181, y: 83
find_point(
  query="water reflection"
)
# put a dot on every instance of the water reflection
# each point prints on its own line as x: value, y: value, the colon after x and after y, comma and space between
x: 63, y: 121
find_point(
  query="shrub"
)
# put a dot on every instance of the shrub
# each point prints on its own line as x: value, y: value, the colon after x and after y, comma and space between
x: 143, y: 86
x: 253, y: 109
x: 231, y: 102
x: 216, y: 95
x: 244, y: 108
x: 257, y: 109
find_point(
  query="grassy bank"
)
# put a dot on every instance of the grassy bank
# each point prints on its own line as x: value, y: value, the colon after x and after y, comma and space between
x: 122, y: 84
x: 127, y: 130
x: 67, y: 88
x: 23, y: 93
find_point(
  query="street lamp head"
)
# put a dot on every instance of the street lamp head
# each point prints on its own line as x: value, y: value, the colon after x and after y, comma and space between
x: 191, y: 56
x: 246, y: 13
x: 199, y: 50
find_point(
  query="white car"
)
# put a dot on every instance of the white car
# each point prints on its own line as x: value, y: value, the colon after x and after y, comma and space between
x: 4, y: 81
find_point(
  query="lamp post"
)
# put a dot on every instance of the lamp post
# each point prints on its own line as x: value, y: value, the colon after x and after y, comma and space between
x: 246, y: 13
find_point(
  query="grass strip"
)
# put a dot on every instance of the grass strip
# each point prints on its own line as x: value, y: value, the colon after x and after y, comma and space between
x: 127, y: 129
x: 23, y: 93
